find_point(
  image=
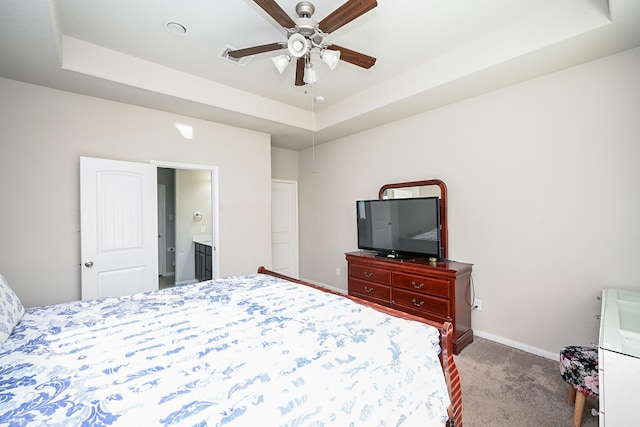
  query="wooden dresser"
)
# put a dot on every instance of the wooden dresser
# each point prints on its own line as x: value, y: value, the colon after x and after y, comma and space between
x: 437, y: 291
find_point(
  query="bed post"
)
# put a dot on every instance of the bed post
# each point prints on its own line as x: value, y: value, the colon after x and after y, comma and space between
x: 451, y: 375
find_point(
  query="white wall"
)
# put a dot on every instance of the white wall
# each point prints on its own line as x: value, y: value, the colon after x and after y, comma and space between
x: 284, y: 164
x: 544, y: 196
x: 43, y: 132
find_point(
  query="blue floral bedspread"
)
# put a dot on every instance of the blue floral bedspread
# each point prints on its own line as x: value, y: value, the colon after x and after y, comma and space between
x: 247, y: 351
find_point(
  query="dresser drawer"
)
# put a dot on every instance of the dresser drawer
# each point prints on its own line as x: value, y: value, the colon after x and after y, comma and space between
x: 370, y: 274
x: 369, y: 290
x: 418, y: 283
x: 421, y: 302
x: 436, y: 291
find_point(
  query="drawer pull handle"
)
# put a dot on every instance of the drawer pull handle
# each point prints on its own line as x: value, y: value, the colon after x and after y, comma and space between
x: 368, y: 290
x: 417, y: 304
x: 415, y: 285
x: 368, y: 275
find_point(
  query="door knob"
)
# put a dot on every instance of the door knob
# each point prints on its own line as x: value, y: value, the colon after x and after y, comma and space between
x: 88, y: 264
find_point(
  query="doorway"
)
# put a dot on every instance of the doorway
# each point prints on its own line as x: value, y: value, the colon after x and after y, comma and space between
x: 191, y: 213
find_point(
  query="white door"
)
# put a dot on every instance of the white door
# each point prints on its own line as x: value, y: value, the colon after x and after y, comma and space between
x: 118, y: 235
x: 284, y: 227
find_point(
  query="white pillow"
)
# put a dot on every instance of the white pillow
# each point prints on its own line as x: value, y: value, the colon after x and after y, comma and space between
x: 11, y: 310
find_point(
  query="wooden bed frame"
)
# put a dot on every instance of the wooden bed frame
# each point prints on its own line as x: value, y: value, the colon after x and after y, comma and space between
x: 446, y: 335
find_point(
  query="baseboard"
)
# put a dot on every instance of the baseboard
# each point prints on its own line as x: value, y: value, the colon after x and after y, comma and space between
x: 518, y: 345
x: 322, y: 285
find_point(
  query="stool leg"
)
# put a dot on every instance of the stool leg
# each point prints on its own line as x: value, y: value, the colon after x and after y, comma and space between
x: 581, y: 398
x: 572, y: 394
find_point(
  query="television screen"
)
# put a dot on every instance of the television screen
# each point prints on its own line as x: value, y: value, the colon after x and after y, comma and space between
x: 400, y: 226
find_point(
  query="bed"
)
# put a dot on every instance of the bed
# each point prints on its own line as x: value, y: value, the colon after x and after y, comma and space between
x: 260, y: 349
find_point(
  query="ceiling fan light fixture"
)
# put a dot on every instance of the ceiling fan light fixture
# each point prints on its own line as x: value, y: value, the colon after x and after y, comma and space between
x: 310, y: 75
x: 330, y: 57
x: 281, y: 62
x: 305, y: 37
x: 297, y: 45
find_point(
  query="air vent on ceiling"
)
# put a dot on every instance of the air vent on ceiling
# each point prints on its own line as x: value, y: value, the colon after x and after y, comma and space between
x: 224, y: 55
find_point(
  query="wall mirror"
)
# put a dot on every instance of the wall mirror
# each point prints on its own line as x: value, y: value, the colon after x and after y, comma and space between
x: 424, y: 188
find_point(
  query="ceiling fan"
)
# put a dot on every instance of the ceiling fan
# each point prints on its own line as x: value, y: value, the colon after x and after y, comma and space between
x: 305, y: 35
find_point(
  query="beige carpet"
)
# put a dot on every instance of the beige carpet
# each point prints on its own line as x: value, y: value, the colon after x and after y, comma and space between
x: 503, y: 386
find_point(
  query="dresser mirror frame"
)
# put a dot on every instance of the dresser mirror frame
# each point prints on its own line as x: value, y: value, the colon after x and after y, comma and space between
x: 424, y: 188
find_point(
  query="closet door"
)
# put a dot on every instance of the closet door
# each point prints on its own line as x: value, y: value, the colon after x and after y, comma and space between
x: 284, y: 227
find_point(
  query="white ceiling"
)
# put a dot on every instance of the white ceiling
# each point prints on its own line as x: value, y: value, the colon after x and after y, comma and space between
x: 429, y: 53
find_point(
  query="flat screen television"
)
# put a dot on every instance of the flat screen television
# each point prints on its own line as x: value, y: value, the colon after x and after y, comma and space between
x: 398, y: 228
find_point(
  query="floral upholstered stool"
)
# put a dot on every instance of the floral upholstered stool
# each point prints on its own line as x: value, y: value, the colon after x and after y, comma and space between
x: 579, y: 368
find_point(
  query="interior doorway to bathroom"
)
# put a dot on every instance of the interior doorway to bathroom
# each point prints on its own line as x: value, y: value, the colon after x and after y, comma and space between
x: 187, y: 211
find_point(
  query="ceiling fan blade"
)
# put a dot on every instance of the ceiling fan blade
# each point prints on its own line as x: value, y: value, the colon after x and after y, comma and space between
x: 300, y: 72
x: 345, y: 14
x: 276, y: 12
x: 353, y: 57
x: 239, y: 53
